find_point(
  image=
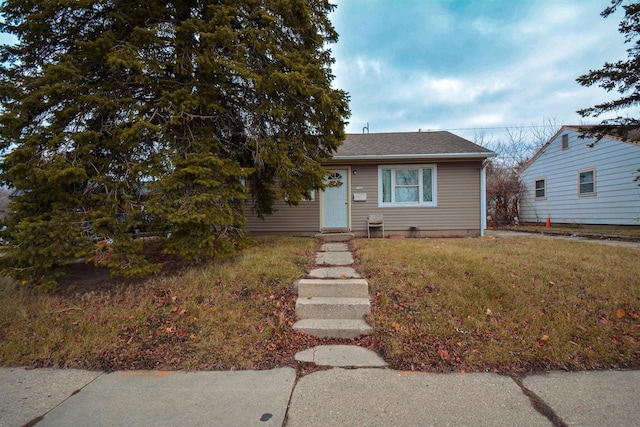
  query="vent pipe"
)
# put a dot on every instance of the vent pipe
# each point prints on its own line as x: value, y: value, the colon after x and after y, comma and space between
x: 366, y: 128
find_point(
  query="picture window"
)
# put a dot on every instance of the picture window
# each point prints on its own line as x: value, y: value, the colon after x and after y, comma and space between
x: 407, y: 185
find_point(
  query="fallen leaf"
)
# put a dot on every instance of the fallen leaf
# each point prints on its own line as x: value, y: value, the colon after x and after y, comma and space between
x: 488, y: 312
x: 395, y: 326
x: 620, y: 313
x: 544, y: 338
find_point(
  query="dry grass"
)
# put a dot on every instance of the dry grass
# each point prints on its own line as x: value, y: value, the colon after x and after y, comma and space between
x: 510, y: 305
x: 224, y: 315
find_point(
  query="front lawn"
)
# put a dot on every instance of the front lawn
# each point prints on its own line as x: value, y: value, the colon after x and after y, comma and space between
x: 508, y: 305
x: 476, y: 304
x: 229, y: 314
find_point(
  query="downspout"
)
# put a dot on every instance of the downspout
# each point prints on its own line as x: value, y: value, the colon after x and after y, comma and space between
x: 483, y: 197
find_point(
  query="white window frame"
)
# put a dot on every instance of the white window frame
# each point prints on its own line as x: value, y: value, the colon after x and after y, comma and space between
x: 594, y: 192
x: 564, y: 143
x: 420, y: 203
x: 535, y: 188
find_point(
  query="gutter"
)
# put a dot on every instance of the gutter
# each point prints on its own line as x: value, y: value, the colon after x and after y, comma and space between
x: 418, y: 156
x: 483, y: 198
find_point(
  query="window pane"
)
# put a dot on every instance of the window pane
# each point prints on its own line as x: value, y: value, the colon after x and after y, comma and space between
x: 386, y: 185
x: 586, y: 177
x: 587, y: 182
x: 540, y: 188
x: 407, y: 194
x: 427, y: 186
x: 407, y: 177
x: 586, y: 188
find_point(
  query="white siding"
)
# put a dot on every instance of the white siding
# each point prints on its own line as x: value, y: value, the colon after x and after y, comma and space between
x: 617, y: 197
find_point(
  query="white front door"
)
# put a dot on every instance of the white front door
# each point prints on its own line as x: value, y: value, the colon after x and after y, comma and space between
x: 335, y: 201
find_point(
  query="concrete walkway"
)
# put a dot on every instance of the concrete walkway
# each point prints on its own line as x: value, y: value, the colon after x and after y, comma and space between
x: 518, y: 234
x: 333, y: 299
x: 336, y: 397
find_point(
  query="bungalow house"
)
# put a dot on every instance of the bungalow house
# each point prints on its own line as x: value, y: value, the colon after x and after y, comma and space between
x: 572, y: 181
x: 422, y: 183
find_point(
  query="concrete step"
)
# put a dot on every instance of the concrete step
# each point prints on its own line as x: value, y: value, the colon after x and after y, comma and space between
x: 334, y: 237
x: 334, y: 247
x: 332, y: 308
x: 334, y: 258
x: 333, y: 328
x: 346, y: 288
x: 334, y: 273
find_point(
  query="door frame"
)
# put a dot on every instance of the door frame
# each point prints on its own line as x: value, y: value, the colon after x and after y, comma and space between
x: 346, y: 169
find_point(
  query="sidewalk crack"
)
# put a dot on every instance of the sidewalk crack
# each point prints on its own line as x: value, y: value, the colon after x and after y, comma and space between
x: 540, y: 405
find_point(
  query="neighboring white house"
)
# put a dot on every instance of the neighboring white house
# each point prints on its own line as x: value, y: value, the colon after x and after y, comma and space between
x: 572, y: 181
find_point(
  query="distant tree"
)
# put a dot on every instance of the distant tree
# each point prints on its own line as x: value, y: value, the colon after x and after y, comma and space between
x: 504, y: 191
x: 623, y: 76
x: 515, y: 148
x: 119, y: 113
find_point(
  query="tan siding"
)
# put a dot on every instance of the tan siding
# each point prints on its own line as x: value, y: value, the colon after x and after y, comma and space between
x: 458, y: 206
x: 301, y: 219
x: 457, y: 212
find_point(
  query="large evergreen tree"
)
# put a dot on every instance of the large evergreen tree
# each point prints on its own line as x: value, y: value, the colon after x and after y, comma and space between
x: 117, y: 113
x: 623, y: 76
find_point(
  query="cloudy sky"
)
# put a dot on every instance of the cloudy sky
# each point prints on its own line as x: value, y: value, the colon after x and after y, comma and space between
x: 460, y: 65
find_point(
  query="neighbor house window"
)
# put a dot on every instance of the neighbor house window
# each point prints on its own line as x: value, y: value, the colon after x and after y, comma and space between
x: 587, y: 182
x: 541, y: 188
x: 407, y: 185
x: 565, y: 142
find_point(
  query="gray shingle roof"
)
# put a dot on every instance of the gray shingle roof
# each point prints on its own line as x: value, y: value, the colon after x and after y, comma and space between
x: 439, y: 144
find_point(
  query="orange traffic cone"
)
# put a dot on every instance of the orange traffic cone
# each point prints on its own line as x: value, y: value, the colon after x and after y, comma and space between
x: 548, y: 224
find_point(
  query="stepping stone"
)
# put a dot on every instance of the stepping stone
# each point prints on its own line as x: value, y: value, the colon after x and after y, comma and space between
x: 334, y: 273
x: 334, y: 247
x: 356, y: 288
x: 332, y: 308
x: 341, y: 356
x: 334, y: 258
x: 333, y: 328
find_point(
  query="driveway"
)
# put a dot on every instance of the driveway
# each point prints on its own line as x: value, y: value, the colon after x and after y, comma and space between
x: 518, y: 234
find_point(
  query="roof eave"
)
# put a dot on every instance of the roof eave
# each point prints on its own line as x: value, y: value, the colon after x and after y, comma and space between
x: 419, y: 156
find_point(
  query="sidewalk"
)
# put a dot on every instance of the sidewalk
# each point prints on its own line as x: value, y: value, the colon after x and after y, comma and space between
x: 513, y: 234
x: 335, y: 397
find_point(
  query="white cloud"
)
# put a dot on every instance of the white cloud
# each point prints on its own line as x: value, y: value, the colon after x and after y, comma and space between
x: 368, y: 67
x: 485, y: 26
x: 523, y: 70
x: 457, y: 90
